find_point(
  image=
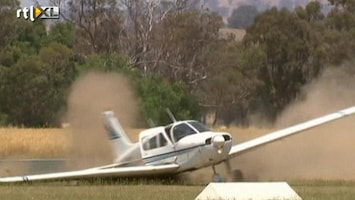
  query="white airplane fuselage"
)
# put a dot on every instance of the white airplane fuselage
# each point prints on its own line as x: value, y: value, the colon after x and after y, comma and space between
x: 162, y: 145
x: 192, y: 152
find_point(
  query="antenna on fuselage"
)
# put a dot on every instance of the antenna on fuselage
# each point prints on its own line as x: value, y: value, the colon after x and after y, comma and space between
x: 172, y: 117
x: 151, y: 123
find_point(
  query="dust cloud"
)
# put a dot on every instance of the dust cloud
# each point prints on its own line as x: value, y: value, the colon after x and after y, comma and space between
x: 325, y: 152
x: 90, y: 95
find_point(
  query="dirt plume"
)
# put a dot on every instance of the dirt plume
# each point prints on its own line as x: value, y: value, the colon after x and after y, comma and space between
x: 90, y: 95
x: 325, y: 152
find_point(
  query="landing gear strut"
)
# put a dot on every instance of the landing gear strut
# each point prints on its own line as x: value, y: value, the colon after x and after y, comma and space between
x: 216, y: 176
x: 233, y: 175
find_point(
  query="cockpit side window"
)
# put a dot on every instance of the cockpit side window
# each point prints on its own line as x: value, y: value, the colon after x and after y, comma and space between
x: 162, y: 140
x: 154, y: 142
x: 182, y: 130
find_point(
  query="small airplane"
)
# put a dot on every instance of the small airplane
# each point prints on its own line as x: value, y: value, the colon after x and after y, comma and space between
x: 178, y: 147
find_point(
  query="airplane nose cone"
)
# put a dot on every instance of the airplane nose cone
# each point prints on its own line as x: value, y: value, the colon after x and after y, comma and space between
x: 218, y: 141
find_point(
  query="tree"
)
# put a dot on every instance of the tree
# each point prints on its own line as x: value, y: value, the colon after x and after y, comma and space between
x: 168, y: 38
x: 293, y: 57
x: 61, y: 68
x: 8, y: 27
x: 153, y: 31
x: 231, y: 83
x: 33, y: 91
x: 3, y: 115
x: 242, y: 17
x: 25, y: 92
x: 30, y: 37
x: 312, y: 13
x: 185, y: 42
x: 340, y: 32
x: 99, y: 23
x: 156, y: 95
x: 348, y: 5
x: 64, y: 33
x: 10, y: 55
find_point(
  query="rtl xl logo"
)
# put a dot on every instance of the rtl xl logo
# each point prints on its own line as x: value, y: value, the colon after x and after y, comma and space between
x: 43, y: 12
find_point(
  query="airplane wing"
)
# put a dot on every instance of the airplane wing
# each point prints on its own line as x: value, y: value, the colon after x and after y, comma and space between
x: 251, y: 144
x: 145, y: 170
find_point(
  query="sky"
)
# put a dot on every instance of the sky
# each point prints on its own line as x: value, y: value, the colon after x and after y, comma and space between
x: 26, y: 3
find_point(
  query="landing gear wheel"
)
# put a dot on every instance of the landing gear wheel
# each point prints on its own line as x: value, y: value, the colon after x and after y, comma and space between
x: 237, y: 175
x: 217, y: 178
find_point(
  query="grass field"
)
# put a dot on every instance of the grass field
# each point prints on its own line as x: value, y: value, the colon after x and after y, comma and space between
x: 107, y: 192
x: 33, y: 143
x: 322, y: 190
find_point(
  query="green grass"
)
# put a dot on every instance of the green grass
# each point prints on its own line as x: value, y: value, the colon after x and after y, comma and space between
x: 323, y: 190
x: 106, y: 192
x: 308, y: 190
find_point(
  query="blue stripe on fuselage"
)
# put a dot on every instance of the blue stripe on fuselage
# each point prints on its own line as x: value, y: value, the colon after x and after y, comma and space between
x: 169, y: 154
x: 112, y: 134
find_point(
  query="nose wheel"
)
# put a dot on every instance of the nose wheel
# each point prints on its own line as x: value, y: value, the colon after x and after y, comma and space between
x: 216, y: 177
x: 234, y: 175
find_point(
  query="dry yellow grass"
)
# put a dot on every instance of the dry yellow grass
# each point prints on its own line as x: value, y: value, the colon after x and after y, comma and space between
x: 33, y: 143
x: 39, y: 143
x: 55, y: 143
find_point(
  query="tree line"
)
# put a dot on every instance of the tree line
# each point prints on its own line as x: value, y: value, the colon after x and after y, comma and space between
x: 174, y: 52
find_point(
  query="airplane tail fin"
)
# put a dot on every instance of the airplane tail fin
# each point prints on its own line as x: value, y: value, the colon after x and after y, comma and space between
x: 115, y: 132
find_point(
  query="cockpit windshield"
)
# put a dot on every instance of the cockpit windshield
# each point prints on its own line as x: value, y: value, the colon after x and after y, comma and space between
x: 199, y: 126
x: 182, y: 130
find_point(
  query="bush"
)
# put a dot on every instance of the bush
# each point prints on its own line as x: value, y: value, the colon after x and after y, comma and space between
x: 156, y: 95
